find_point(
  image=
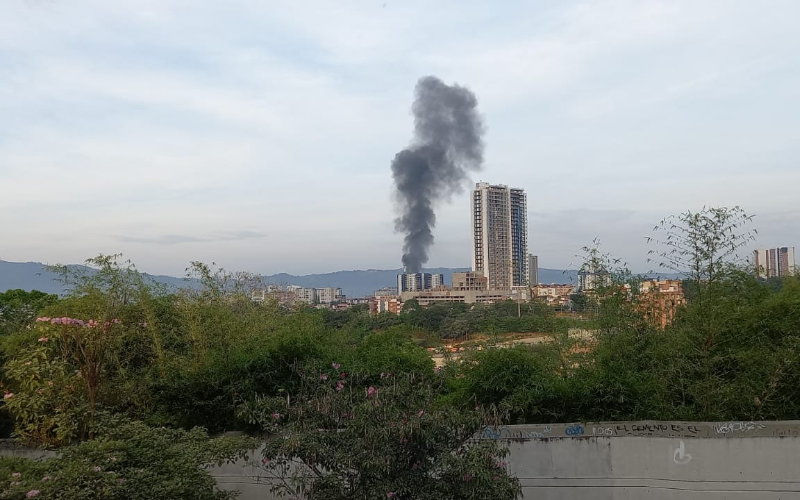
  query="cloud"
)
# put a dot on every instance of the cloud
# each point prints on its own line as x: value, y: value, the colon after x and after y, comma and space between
x: 155, y: 123
x: 174, y: 239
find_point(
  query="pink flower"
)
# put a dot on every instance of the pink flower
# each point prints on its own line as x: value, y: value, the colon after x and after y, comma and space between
x: 43, y: 318
x: 265, y: 461
x: 16, y: 474
x: 45, y: 478
x: 96, y: 468
x: 40, y: 391
x: 390, y: 494
x: 420, y: 413
x: 276, y: 416
x: 339, y: 385
x: 31, y: 493
x: 116, y: 321
x: 371, y: 391
x: 323, y: 377
x: 467, y: 477
x: 44, y: 339
x: 343, y: 375
x: 9, y: 395
x: 336, y: 366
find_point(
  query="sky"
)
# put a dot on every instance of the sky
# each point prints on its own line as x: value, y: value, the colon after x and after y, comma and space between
x: 259, y: 134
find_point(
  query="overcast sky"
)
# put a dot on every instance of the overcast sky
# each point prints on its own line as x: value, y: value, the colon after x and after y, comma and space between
x: 259, y: 134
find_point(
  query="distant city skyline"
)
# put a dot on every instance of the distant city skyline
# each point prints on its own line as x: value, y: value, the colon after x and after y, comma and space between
x: 774, y: 262
x: 259, y: 135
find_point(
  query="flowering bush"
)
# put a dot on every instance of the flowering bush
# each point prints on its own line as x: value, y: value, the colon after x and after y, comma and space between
x: 129, y: 461
x: 342, y: 439
x: 55, y: 382
x: 48, y: 401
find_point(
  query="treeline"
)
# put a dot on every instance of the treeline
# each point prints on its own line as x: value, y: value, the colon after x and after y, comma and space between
x: 121, y: 349
x: 454, y: 320
x: 192, y: 358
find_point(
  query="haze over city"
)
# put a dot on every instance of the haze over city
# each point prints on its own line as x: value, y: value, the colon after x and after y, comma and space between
x: 259, y: 135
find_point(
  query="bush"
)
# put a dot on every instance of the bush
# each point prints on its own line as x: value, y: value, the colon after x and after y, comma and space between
x: 521, y: 383
x: 342, y: 440
x: 128, y: 461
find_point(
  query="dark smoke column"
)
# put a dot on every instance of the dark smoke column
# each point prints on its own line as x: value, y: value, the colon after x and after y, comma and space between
x: 447, y: 144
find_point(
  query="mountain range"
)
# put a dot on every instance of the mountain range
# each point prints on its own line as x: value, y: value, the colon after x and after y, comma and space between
x: 360, y: 283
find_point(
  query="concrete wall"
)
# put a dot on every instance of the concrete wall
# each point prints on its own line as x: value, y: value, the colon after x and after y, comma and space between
x: 10, y: 448
x: 632, y: 461
x: 619, y: 461
x: 656, y: 460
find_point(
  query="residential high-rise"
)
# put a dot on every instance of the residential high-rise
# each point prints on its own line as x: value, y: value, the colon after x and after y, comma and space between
x: 533, y: 270
x: 774, y: 262
x: 519, y: 237
x: 437, y: 281
x: 500, y: 235
x: 329, y: 295
x: 415, y: 282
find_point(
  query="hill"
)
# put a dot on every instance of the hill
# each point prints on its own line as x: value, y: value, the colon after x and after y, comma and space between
x: 357, y: 283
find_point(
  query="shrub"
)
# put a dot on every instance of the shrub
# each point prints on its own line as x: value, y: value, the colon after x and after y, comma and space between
x: 128, y: 461
x: 339, y: 440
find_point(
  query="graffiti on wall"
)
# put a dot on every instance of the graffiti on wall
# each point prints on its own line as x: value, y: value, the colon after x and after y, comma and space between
x: 646, y: 428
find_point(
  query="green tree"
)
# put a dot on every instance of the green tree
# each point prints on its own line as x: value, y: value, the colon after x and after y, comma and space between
x: 344, y: 440
x: 19, y: 308
x: 520, y: 384
x: 701, y: 245
x: 127, y: 461
x: 580, y: 302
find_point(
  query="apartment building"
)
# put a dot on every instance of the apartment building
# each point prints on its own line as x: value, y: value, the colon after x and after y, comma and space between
x: 500, y: 235
x: 774, y: 262
x: 533, y: 270
x: 590, y: 280
x: 470, y: 282
x: 329, y: 295
x: 388, y: 304
x: 428, y: 297
x: 387, y: 291
x: 659, y: 300
x: 553, y: 291
x: 413, y: 282
x: 302, y: 294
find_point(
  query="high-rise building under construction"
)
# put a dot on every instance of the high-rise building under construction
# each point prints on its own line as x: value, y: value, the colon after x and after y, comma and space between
x: 500, y: 235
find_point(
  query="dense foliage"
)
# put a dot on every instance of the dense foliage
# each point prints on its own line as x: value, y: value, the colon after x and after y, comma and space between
x: 211, y: 357
x: 18, y: 308
x: 127, y: 460
x: 350, y: 436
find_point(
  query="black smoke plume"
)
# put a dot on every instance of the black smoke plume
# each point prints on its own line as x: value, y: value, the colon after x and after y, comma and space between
x: 447, y: 144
